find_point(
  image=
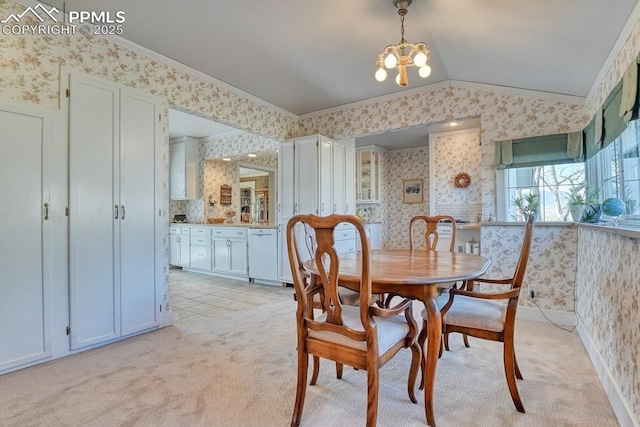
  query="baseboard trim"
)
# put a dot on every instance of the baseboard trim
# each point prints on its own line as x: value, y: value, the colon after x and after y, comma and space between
x: 168, y: 318
x: 564, y: 318
x: 618, y: 402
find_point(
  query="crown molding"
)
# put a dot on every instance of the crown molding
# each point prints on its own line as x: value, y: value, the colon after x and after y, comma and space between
x: 505, y: 90
x: 634, y: 19
x: 476, y: 129
x: 178, y: 65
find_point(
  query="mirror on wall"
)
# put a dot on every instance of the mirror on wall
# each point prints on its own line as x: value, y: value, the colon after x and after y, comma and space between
x: 255, y: 193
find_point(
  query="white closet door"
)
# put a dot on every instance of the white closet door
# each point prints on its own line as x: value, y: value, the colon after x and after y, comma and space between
x: 24, y: 248
x: 138, y: 133
x: 93, y: 242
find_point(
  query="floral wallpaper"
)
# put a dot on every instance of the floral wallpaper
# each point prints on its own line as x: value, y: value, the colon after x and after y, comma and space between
x: 453, y: 153
x: 629, y: 53
x: 236, y: 144
x: 397, y: 166
x: 502, y: 116
x: 552, y: 261
x: 30, y: 72
x: 608, y: 304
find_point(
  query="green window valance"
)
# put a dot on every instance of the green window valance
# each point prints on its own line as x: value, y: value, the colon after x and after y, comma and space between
x: 619, y: 108
x: 539, y: 151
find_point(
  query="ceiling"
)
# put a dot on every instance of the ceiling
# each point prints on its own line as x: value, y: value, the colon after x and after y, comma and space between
x: 305, y: 56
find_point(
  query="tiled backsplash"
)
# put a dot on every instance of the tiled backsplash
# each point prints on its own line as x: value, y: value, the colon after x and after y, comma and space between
x: 462, y: 211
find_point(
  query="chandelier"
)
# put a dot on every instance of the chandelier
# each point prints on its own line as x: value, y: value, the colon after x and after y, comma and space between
x: 404, y: 54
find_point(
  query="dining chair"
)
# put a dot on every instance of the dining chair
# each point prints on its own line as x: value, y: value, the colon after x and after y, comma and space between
x: 366, y: 336
x: 431, y: 231
x: 483, y: 315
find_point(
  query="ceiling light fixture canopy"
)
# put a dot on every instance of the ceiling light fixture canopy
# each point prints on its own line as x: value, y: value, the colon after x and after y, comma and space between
x: 404, y: 54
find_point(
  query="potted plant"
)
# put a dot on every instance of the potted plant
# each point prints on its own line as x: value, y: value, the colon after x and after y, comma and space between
x: 527, y: 205
x: 585, y: 207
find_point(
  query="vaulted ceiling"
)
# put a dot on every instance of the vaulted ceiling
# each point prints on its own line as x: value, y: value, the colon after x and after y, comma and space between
x: 310, y: 55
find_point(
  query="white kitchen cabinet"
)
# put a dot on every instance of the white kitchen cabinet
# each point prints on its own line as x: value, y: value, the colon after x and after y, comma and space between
x: 286, y: 180
x: 184, y: 168
x: 368, y: 174
x: 374, y: 233
x: 316, y: 176
x: 114, y: 136
x: 179, y: 246
x: 350, y: 181
x: 26, y: 244
x: 219, y: 250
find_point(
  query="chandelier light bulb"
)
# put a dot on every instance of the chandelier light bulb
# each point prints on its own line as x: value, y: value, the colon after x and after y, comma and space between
x: 424, y: 71
x: 420, y: 59
x: 390, y: 61
x: 381, y: 74
x: 398, y: 79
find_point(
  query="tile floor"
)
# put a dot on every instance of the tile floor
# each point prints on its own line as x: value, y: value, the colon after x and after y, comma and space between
x: 194, y: 296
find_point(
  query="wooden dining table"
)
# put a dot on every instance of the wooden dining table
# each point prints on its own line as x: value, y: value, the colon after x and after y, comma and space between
x: 413, y: 274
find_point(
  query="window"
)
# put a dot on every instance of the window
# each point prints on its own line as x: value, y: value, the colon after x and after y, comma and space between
x: 616, y: 168
x: 552, y: 183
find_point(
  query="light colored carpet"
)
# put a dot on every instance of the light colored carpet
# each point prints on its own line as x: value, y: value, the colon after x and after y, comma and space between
x: 240, y: 370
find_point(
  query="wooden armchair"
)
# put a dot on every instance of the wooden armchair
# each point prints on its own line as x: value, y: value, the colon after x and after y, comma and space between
x: 366, y: 336
x: 481, y: 315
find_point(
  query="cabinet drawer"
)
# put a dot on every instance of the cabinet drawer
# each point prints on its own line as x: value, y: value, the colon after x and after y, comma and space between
x: 174, y: 230
x: 201, y: 231
x: 201, y: 257
x: 200, y: 241
x: 345, y: 246
x: 238, y: 233
x: 339, y: 235
x: 185, y: 231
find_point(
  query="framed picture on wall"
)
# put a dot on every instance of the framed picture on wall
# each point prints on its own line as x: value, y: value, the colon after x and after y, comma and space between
x: 412, y: 190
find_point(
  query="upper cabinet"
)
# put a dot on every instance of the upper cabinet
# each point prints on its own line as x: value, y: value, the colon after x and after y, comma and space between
x: 184, y: 167
x: 368, y: 174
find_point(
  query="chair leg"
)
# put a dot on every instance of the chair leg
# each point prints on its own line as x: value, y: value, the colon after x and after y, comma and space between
x: 303, y: 366
x: 422, y: 337
x: 372, y: 392
x: 339, y: 370
x: 446, y: 342
x: 515, y: 362
x: 416, y: 362
x: 316, y: 370
x: 509, y: 371
x: 466, y: 340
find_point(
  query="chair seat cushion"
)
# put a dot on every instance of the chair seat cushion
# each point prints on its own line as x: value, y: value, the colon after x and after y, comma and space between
x: 473, y: 312
x: 390, y: 330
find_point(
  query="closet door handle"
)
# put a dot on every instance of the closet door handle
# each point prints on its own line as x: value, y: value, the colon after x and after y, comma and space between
x: 321, y: 207
x: 117, y: 212
x: 295, y: 208
x: 123, y: 212
x: 346, y: 208
x: 334, y: 208
x: 46, y: 211
x: 279, y: 207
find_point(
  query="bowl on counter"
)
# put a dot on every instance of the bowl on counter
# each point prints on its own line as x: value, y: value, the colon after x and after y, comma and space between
x: 215, y: 220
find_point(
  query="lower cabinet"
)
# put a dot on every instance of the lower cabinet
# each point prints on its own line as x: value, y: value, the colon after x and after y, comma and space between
x: 179, y: 247
x: 221, y: 250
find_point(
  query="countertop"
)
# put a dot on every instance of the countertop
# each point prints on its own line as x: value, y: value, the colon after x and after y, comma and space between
x: 237, y: 224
